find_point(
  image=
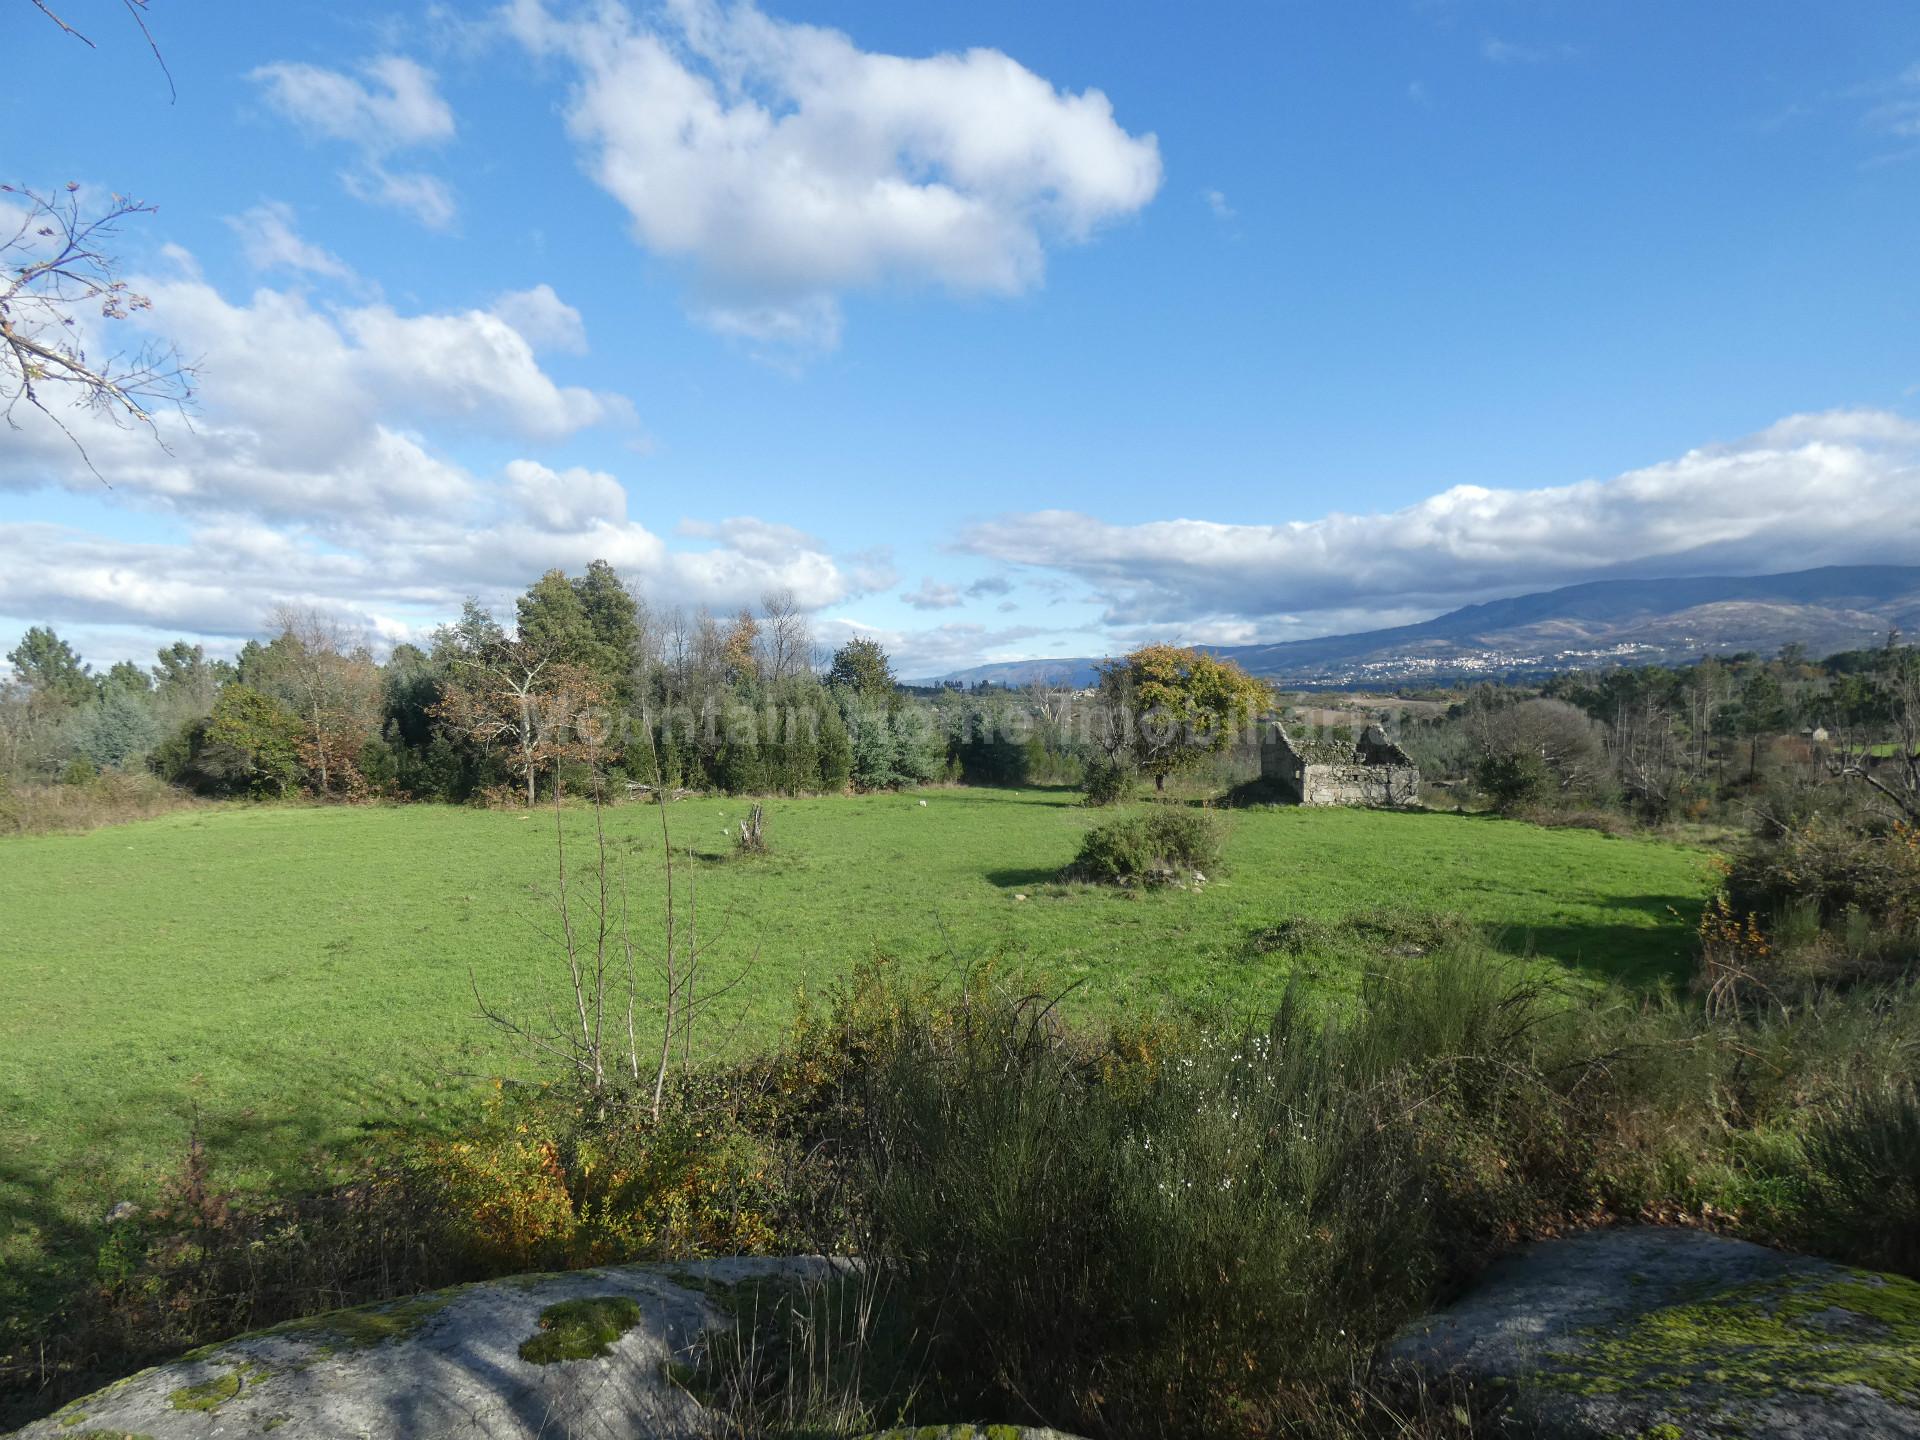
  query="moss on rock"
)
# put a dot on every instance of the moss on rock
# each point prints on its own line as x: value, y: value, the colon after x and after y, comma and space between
x: 583, y: 1329
x: 208, y: 1394
x: 1811, y: 1336
x: 367, y: 1325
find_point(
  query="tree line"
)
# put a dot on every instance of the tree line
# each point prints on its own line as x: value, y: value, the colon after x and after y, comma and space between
x: 1664, y: 742
x: 591, y: 684
x: 589, y: 680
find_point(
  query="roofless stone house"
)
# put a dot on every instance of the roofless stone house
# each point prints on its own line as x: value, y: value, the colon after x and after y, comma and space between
x: 1337, y: 769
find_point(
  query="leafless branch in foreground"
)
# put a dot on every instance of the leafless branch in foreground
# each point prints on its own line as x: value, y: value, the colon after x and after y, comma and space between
x: 138, y: 10
x: 56, y: 266
x: 606, y: 984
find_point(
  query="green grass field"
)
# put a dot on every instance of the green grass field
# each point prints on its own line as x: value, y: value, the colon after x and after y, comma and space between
x: 299, y: 976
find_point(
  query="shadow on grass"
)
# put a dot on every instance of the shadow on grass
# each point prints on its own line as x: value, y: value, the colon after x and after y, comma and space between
x: 1021, y: 879
x: 1640, y: 955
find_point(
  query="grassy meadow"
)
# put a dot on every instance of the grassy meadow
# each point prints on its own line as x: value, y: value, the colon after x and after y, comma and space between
x: 298, y: 978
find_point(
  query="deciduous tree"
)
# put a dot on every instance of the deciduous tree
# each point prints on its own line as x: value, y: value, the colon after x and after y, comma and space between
x: 59, y: 291
x: 1168, y: 707
x: 321, y: 669
x: 515, y: 696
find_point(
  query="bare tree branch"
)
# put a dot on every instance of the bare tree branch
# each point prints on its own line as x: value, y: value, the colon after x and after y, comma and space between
x: 56, y: 267
x: 137, y: 9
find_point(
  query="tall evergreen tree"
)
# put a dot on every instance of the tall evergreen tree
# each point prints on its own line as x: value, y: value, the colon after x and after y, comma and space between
x: 863, y: 667
x: 50, y: 666
x: 553, y: 622
x: 613, y: 618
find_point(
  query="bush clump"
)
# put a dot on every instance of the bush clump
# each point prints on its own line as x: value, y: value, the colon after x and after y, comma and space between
x: 1182, y: 1230
x: 1835, y: 869
x: 1161, y: 844
x: 1866, y: 1150
x: 1111, y: 782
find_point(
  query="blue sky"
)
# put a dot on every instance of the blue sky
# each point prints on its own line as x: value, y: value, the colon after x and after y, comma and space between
x: 993, y: 330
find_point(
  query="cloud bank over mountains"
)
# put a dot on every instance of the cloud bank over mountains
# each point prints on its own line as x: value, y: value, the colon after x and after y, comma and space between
x: 1837, y: 487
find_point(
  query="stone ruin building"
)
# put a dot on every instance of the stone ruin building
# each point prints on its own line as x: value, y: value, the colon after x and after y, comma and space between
x: 1337, y: 769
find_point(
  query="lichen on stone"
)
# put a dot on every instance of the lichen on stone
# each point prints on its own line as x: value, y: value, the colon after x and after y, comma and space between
x: 208, y: 1394
x: 367, y: 1325
x: 583, y: 1329
x: 1813, y: 1337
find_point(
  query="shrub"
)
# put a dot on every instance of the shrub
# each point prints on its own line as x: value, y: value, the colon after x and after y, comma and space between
x: 1110, y: 782
x: 1865, y: 1153
x: 1835, y: 869
x: 549, y: 1185
x: 1159, y: 844
x: 1514, y: 781
x: 110, y: 798
x: 1169, y: 1230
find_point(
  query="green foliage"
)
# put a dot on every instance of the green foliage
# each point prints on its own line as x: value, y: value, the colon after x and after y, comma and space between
x: 1513, y: 780
x: 583, y: 1329
x: 741, y: 768
x: 836, y: 751
x: 1865, y: 1150
x: 251, y: 743
x: 1156, y: 844
x: 1165, y: 1228
x: 862, y: 667
x: 1175, y: 706
x: 117, y: 728
x: 1832, y: 869
x: 592, y: 622
x: 1111, y: 782
x: 889, y: 745
x: 1147, y: 1232
x: 125, y: 677
x: 49, y: 665
x: 554, y: 622
x: 793, y: 728
x: 184, y: 670
x: 614, y: 621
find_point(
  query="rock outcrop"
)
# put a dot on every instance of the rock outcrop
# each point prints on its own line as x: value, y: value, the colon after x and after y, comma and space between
x: 1673, y: 1334
x: 575, y: 1356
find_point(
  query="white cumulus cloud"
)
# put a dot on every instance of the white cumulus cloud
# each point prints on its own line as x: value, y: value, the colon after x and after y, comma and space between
x: 317, y: 473
x: 787, y: 166
x: 547, y: 321
x: 271, y: 240
x: 394, y: 104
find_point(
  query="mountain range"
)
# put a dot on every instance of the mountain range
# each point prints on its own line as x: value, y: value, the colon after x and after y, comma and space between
x: 1587, y: 626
